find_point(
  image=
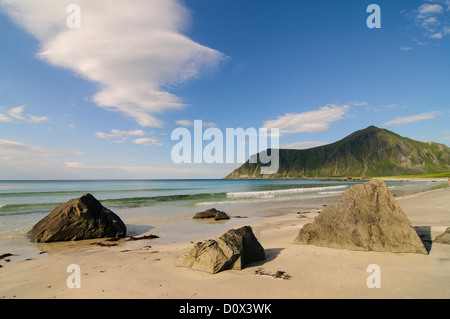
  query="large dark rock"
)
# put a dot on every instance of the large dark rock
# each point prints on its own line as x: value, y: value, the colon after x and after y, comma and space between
x: 232, y: 250
x: 368, y: 218
x: 212, y: 213
x: 77, y: 219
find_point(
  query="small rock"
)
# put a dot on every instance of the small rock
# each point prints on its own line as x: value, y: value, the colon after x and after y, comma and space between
x: 103, y: 244
x: 145, y: 237
x: 212, y: 213
x: 5, y: 256
x: 232, y: 250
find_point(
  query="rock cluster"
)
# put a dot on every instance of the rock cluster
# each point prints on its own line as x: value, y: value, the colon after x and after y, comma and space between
x: 77, y: 219
x: 232, y: 250
x: 212, y: 213
x: 368, y: 218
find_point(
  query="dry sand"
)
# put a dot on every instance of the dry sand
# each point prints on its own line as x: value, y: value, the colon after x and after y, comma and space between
x: 134, y: 270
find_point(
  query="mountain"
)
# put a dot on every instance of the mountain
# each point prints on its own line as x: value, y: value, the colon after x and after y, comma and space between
x: 370, y: 152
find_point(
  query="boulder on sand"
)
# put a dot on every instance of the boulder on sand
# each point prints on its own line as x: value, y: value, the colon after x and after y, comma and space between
x: 443, y: 238
x: 77, y: 219
x: 368, y: 218
x: 232, y: 250
x: 212, y: 213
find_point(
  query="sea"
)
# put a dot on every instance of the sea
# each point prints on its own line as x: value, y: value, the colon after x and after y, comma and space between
x: 166, y: 207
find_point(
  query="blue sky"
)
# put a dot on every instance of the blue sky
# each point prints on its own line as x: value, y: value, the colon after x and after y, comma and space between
x: 102, y: 100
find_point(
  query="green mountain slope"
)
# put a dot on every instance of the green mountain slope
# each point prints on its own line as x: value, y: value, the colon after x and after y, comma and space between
x: 370, y: 152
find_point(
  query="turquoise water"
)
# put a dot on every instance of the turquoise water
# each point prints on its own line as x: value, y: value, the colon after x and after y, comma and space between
x: 27, y: 197
x: 165, y: 206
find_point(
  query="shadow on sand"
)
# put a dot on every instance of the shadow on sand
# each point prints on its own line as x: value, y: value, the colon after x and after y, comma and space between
x: 424, y: 233
x: 271, y: 254
x: 134, y: 230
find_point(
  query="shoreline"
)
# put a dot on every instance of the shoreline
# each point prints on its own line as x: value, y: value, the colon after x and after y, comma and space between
x: 355, y: 179
x: 145, y: 269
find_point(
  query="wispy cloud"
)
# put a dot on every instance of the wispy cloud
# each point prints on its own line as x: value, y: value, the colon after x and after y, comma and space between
x: 10, y: 150
x: 133, y: 50
x: 412, y: 118
x: 428, y: 9
x: 119, y: 136
x: 143, y: 170
x: 316, y: 121
x: 385, y: 107
x: 16, y: 114
x: 358, y: 103
x: 445, y: 135
x: 189, y: 123
x: 433, y: 17
x: 148, y: 141
x: 184, y: 123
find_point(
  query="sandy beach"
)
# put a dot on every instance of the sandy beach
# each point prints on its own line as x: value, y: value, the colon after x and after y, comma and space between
x: 142, y: 269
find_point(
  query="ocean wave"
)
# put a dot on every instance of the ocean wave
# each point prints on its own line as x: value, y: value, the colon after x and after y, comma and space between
x: 159, y: 199
x: 253, y: 200
x: 13, y: 236
x: 282, y: 192
x: 17, y: 209
x: 331, y: 193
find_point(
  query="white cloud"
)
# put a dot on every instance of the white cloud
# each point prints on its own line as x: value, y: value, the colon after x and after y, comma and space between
x: 412, y: 118
x: 188, y: 123
x: 358, y: 103
x: 385, y: 107
x: 75, y: 165
x: 148, y: 141
x: 427, y: 9
x: 119, y: 136
x: 394, y: 106
x: 437, y: 36
x: 4, y: 118
x: 184, y: 123
x: 134, y: 50
x: 15, y: 114
x: 405, y: 48
x: 432, y: 18
x: 312, y: 121
x: 209, y: 124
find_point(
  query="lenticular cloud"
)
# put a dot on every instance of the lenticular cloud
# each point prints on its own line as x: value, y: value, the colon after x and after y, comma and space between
x: 133, y: 50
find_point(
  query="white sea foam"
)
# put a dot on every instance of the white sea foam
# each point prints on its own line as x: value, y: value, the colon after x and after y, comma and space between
x: 331, y: 193
x: 283, y: 192
x: 255, y: 200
